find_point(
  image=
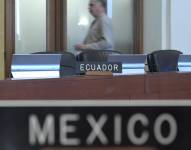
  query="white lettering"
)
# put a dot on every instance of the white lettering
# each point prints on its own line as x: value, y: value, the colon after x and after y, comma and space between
x: 40, y: 135
x: 117, y: 129
x: 65, y: 129
x: 173, y: 129
x: 97, y: 129
x: 82, y: 67
x: 116, y: 67
x: 131, y: 129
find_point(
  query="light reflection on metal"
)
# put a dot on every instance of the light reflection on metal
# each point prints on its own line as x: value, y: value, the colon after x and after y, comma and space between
x: 35, y: 74
x: 135, y: 64
x: 48, y: 66
x: 36, y: 66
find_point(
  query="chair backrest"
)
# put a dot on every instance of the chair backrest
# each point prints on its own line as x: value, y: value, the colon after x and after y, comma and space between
x: 163, y: 60
x: 95, y: 55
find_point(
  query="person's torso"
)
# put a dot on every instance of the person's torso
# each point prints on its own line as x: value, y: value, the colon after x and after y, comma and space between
x: 95, y: 32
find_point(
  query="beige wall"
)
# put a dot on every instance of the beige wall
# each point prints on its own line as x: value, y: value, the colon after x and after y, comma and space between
x: 156, y: 25
x: 30, y: 26
x: 180, y: 26
x: 152, y: 25
x: 1, y: 39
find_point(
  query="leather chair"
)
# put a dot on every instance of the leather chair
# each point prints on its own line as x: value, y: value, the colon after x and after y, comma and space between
x: 163, y: 60
x: 95, y: 55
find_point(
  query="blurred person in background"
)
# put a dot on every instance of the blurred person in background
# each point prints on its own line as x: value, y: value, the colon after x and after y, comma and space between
x: 100, y: 36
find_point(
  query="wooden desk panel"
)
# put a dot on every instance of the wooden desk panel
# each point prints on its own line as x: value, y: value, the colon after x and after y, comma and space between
x: 169, y: 85
x: 73, y: 88
x: 149, y: 86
